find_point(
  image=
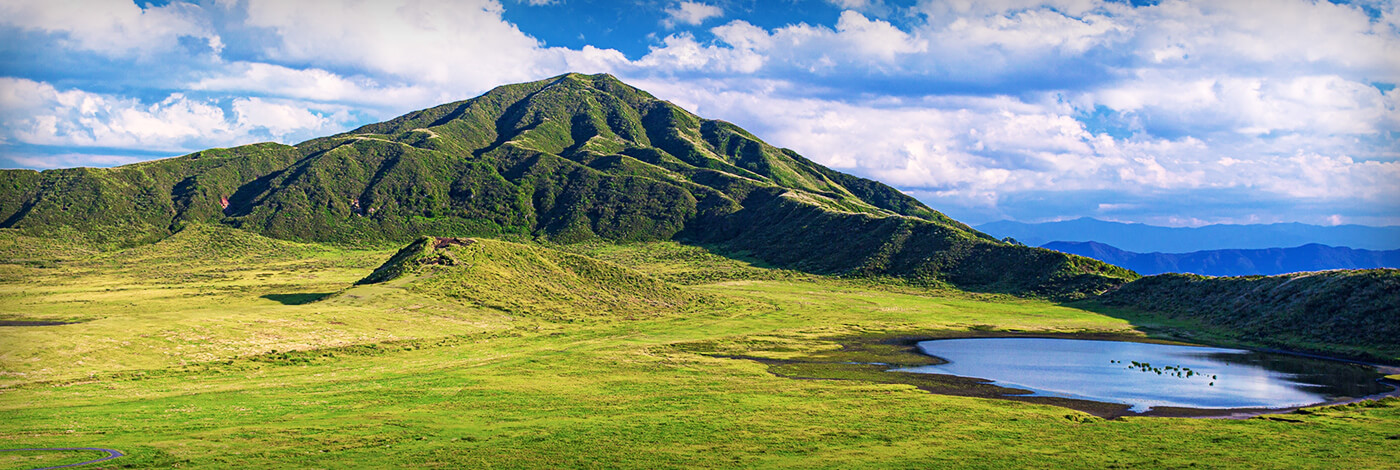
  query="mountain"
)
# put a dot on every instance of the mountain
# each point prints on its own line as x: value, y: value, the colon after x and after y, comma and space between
x: 566, y: 159
x: 1311, y: 257
x: 1327, y: 311
x: 1143, y: 238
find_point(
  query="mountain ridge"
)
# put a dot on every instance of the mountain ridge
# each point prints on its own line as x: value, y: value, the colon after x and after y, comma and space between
x: 1269, y: 261
x: 566, y: 159
x: 1143, y: 238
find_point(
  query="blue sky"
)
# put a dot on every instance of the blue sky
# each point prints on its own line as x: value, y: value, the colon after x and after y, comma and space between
x: 1174, y: 112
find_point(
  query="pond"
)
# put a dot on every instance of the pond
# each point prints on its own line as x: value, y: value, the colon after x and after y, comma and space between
x: 1146, y: 375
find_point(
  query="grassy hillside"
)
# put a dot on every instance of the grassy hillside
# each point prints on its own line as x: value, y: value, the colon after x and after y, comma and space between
x: 133, y: 204
x: 570, y: 159
x: 1356, y: 312
x: 264, y: 353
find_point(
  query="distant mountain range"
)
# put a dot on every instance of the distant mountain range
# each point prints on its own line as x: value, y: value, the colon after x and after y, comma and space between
x: 1144, y: 238
x: 1310, y: 257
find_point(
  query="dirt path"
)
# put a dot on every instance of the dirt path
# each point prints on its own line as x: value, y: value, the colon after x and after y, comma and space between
x: 111, y: 454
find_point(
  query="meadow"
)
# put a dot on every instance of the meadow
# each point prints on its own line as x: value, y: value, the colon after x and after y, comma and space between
x: 217, y: 348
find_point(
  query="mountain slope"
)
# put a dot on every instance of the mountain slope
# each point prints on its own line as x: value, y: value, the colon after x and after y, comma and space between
x: 1331, y: 311
x: 566, y: 159
x: 137, y: 203
x: 1311, y: 257
x: 1143, y: 238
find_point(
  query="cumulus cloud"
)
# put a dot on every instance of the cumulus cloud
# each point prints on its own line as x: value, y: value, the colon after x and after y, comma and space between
x: 1327, y: 104
x: 37, y: 113
x: 981, y: 151
x: 66, y: 160
x: 112, y: 27
x: 856, y: 41
x: 463, y: 47
x: 279, y: 119
x: 690, y: 13
x: 316, y: 85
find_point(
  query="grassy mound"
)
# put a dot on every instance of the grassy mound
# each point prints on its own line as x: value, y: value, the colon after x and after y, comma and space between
x: 528, y: 280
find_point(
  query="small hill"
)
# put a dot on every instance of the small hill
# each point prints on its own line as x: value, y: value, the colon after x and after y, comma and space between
x: 1359, y: 309
x: 1311, y: 257
x: 528, y: 280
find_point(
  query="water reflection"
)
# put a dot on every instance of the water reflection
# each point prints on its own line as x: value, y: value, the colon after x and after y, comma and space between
x: 1148, y: 375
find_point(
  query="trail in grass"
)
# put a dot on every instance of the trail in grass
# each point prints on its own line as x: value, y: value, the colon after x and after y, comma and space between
x: 111, y: 454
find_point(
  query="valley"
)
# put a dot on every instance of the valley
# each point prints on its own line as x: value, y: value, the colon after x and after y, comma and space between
x: 266, y: 353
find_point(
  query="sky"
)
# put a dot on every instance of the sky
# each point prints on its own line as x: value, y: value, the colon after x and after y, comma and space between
x: 1178, y: 113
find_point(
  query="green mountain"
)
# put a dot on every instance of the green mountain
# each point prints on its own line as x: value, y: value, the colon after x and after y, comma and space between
x: 567, y: 159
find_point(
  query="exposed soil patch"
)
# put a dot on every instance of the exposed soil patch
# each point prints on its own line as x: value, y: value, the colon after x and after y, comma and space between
x: 444, y: 242
x: 111, y: 454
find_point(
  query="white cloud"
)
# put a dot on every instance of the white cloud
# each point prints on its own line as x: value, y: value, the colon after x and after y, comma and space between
x: 691, y: 13
x: 978, y: 150
x: 112, y: 27
x: 1029, y: 32
x: 462, y: 48
x: 683, y: 52
x: 277, y: 118
x: 939, y: 9
x: 856, y: 42
x: 37, y: 113
x: 1325, y: 105
x: 875, y: 38
x: 1285, y: 37
x: 317, y: 85
x: 69, y: 160
x: 852, y: 4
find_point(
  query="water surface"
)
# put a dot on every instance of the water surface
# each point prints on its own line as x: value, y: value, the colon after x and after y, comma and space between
x: 1147, y: 375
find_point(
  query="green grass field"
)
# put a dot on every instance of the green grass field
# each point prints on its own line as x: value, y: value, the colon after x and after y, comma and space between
x: 217, y: 349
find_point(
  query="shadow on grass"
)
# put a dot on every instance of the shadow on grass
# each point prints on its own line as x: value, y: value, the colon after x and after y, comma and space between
x: 297, y: 299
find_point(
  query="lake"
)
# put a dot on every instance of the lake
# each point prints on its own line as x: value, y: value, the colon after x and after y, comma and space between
x: 1146, y: 375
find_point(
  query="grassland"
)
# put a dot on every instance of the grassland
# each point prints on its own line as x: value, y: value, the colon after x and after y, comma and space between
x: 217, y: 348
